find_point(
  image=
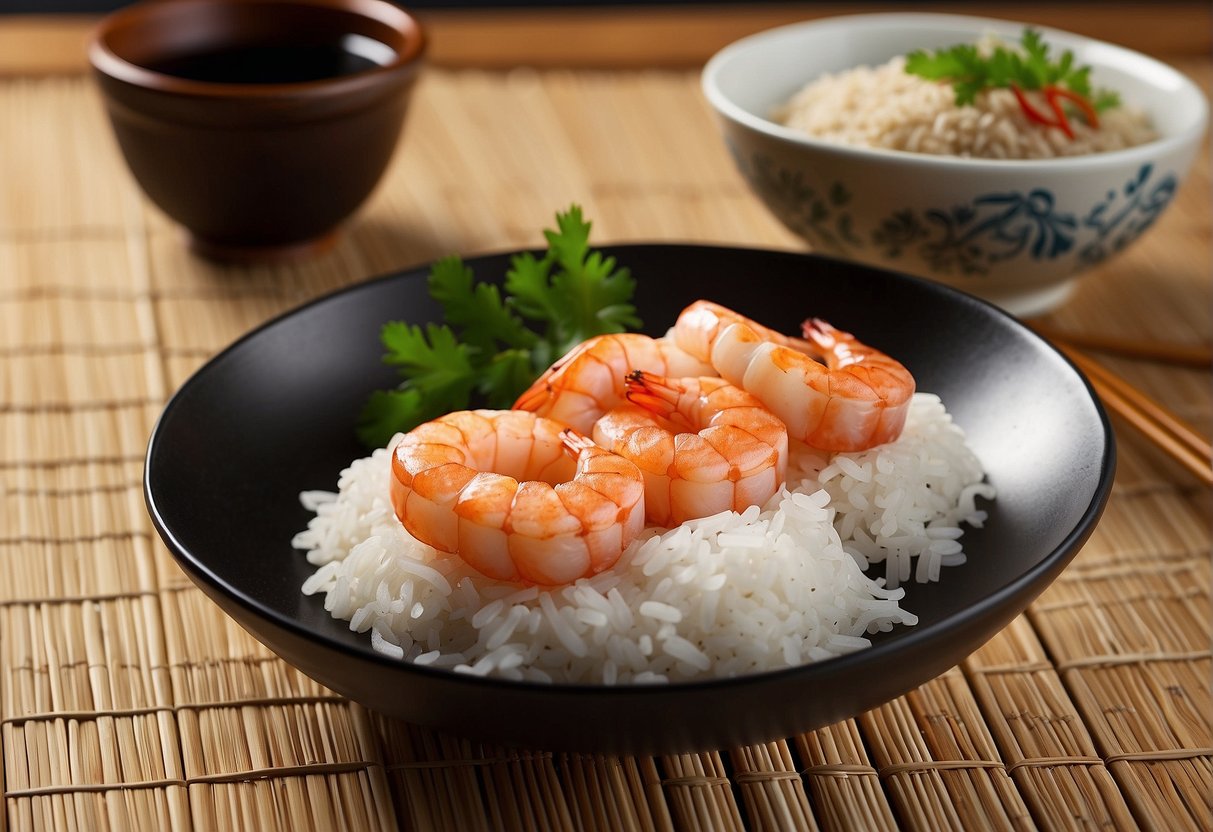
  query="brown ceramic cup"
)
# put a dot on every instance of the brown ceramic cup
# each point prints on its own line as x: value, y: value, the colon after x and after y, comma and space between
x: 258, y: 125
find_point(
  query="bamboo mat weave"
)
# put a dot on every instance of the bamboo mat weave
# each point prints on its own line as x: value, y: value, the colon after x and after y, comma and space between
x: 127, y: 700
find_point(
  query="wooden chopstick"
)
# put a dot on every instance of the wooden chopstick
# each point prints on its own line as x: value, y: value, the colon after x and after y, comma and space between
x: 1199, y: 356
x: 1158, y: 424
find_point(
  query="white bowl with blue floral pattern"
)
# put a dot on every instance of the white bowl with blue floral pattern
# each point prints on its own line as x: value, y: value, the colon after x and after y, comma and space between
x: 1015, y: 232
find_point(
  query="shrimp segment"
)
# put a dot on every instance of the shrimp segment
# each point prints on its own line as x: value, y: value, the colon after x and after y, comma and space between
x: 589, y: 380
x: 832, y: 391
x: 703, y: 445
x: 517, y: 496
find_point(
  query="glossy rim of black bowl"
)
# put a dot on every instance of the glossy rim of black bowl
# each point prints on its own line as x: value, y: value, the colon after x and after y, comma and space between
x: 1026, y: 585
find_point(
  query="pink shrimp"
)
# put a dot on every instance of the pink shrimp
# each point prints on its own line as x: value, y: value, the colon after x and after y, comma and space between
x: 832, y: 391
x: 517, y: 496
x: 589, y: 380
x: 703, y: 445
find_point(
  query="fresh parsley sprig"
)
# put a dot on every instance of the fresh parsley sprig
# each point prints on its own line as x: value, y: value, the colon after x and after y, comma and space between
x: 492, y: 346
x: 1029, y: 68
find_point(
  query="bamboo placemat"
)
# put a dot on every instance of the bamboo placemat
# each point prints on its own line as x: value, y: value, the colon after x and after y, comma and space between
x: 127, y: 700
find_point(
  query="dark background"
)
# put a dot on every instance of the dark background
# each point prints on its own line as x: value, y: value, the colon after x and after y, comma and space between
x: 84, y: 6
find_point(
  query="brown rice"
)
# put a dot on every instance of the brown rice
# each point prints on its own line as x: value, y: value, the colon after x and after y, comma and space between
x: 884, y: 107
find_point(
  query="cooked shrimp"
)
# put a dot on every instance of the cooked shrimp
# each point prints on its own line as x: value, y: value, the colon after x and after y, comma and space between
x: 832, y: 391
x: 517, y: 496
x: 703, y: 445
x: 589, y: 380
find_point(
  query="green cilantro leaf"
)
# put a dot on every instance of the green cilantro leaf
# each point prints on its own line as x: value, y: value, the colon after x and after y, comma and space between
x: 433, y: 357
x: 1026, y: 67
x: 477, y: 308
x: 385, y: 411
x: 527, y: 284
x: 505, y: 376
x: 496, y: 341
x: 439, y: 377
x: 1105, y: 100
x: 578, y: 292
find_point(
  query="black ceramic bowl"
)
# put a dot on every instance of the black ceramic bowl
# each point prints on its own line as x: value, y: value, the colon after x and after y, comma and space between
x: 273, y: 415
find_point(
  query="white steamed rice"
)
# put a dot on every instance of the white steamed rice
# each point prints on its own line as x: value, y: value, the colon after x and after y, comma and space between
x: 724, y: 596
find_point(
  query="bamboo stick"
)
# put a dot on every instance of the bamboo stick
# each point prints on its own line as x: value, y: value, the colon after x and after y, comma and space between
x: 1197, y: 356
x: 1162, y: 427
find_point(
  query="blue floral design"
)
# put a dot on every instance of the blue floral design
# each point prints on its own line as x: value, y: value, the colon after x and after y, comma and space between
x: 971, y: 238
x: 818, y: 215
x: 900, y: 231
x: 1118, y: 225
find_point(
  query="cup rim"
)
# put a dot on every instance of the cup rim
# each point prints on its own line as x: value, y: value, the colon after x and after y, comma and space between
x: 109, y: 63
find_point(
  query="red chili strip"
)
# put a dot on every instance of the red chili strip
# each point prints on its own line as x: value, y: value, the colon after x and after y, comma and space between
x: 1083, y: 105
x: 1050, y: 94
x: 1031, y: 112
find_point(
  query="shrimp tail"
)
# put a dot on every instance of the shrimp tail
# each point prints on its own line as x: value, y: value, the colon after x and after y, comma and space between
x: 542, y: 390
x: 657, y: 395
x: 575, y: 444
x: 834, y: 344
x: 820, y: 333
x: 827, y: 338
x: 535, y: 395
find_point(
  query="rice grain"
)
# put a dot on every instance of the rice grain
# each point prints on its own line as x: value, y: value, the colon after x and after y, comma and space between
x: 885, y: 107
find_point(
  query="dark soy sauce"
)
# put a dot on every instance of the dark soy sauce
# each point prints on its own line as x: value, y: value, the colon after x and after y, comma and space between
x: 269, y: 64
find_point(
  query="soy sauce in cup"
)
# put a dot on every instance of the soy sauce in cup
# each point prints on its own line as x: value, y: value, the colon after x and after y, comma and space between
x: 278, y: 63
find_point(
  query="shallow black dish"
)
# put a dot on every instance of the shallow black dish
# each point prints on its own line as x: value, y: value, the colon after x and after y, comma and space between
x: 273, y: 415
